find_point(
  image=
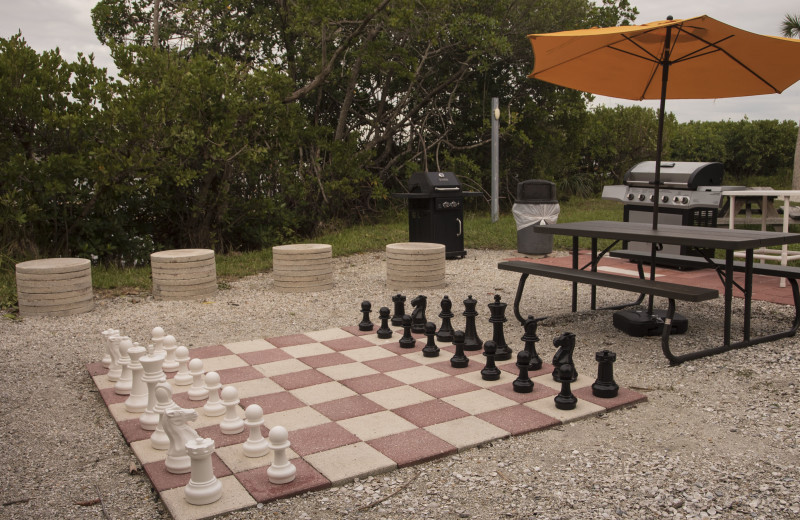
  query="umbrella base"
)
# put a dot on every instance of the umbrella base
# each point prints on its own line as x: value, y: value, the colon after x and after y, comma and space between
x: 640, y: 323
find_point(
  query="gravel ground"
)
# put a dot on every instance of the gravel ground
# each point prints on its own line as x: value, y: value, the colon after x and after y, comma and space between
x: 718, y: 437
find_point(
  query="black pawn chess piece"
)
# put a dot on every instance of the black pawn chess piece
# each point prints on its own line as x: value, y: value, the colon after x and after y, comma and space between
x: 497, y: 319
x: 566, y: 345
x: 605, y: 386
x: 430, y: 349
x: 365, y: 325
x: 471, y: 339
x: 399, y: 309
x: 459, y: 359
x: 523, y: 384
x: 407, y: 341
x: 418, y: 319
x: 530, y: 338
x: 384, y: 332
x: 490, y: 372
x: 565, y: 400
x: 445, y: 332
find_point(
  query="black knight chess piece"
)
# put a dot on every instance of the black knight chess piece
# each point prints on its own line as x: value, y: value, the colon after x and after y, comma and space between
x: 418, y: 319
x: 445, y: 333
x: 430, y: 349
x: 384, y: 332
x: 365, y: 325
x: 459, y: 359
x: 497, y: 318
x: 566, y: 345
x: 490, y: 372
x: 530, y: 338
x: 399, y: 309
x: 523, y: 384
x: 565, y: 400
x: 407, y: 341
x: 605, y: 386
x: 471, y: 339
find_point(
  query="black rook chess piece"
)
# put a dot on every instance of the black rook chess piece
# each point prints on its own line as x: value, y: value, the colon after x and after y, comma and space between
x: 418, y: 319
x: 430, y: 349
x: 530, y: 338
x: 490, y: 372
x: 523, y: 384
x: 605, y: 386
x: 497, y: 318
x: 384, y: 332
x: 565, y: 400
x: 459, y: 359
x: 407, y: 341
x: 399, y: 309
x: 445, y: 332
x: 365, y: 325
x: 471, y: 339
x: 566, y: 345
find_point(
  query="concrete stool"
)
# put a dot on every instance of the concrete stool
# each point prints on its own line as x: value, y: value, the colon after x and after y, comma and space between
x: 184, y: 274
x: 415, y: 265
x: 302, y: 267
x: 54, y: 287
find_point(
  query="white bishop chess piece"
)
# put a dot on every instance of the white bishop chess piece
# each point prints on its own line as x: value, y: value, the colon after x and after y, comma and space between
x: 151, y: 363
x: 281, y: 471
x: 137, y: 399
x: 203, y: 487
x: 255, y: 445
x: 125, y: 381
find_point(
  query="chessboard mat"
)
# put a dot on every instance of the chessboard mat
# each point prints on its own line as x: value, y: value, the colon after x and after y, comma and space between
x: 354, y: 405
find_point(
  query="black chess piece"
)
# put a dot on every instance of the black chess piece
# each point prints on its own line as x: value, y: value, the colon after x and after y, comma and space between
x: 605, y: 386
x: 430, y: 349
x: 445, y: 333
x: 407, y: 341
x: 399, y: 309
x: 523, y: 384
x: 459, y: 359
x: 497, y: 318
x: 490, y: 372
x: 530, y: 338
x: 365, y: 325
x: 565, y: 400
x: 566, y: 345
x: 418, y: 319
x: 384, y: 332
x: 471, y: 339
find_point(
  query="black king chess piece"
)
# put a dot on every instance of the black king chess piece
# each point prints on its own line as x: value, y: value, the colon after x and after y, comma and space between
x: 471, y: 339
x: 490, y: 372
x: 399, y: 309
x: 523, y: 384
x: 445, y: 333
x: 459, y: 359
x: 530, y: 338
x: 384, y: 332
x: 497, y: 319
x: 605, y: 386
x: 566, y: 345
x: 365, y: 325
x: 418, y: 319
x: 430, y: 349
x: 565, y: 400
x: 407, y: 341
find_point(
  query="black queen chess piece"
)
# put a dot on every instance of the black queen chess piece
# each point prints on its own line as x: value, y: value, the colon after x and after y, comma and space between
x: 471, y: 339
x: 430, y: 349
x: 384, y: 332
x: 530, y: 338
x: 605, y: 386
x: 497, y: 318
x: 399, y: 309
x: 418, y: 319
x: 523, y: 384
x: 365, y: 325
x: 445, y: 332
x: 566, y: 345
x: 407, y: 341
x: 490, y: 372
x: 459, y: 359
x: 565, y: 400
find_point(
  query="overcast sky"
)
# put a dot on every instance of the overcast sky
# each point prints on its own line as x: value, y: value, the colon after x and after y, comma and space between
x: 67, y: 24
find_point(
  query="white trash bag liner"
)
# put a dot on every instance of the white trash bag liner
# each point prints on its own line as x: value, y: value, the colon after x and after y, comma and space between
x: 535, y: 214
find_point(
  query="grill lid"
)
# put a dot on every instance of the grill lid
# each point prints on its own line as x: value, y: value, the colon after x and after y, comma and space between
x: 432, y: 182
x: 680, y: 175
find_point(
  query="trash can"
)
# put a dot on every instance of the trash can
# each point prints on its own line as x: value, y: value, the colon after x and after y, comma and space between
x: 536, y: 205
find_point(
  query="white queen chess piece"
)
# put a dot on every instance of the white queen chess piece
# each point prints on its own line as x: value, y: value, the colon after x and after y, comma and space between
x: 255, y: 445
x: 281, y: 471
x: 203, y: 487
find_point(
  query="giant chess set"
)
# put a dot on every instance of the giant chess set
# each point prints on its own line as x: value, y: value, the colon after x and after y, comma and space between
x: 224, y: 427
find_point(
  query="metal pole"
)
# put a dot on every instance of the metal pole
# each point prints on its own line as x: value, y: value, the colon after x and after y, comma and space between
x: 495, y: 117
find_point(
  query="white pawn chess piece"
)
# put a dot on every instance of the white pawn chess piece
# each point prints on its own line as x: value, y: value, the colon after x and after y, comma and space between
x: 137, y: 399
x: 179, y: 433
x: 156, y: 338
x: 114, y: 369
x: 281, y: 471
x: 231, y: 423
x: 106, y: 361
x: 125, y: 381
x: 183, y: 377
x: 198, y: 390
x: 164, y: 402
x: 203, y: 487
x: 151, y: 363
x: 213, y: 406
x: 169, y: 345
x: 255, y: 445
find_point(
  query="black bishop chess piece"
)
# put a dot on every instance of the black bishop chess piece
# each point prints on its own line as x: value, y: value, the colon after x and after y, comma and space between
x: 566, y: 345
x: 605, y: 386
x: 445, y: 333
x: 407, y: 341
x: 430, y: 349
x: 471, y: 339
x: 565, y: 400
x: 530, y: 338
x: 384, y: 332
x: 459, y: 359
x: 418, y: 319
x: 365, y: 325
x: 399, y: 309
x: 523, y: 384
x: 497, y: 318
x: 490, y: 372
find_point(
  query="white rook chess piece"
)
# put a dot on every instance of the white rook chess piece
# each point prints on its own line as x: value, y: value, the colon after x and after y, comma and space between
x: 164, y: 402
x: 232, y: 423
x: 169, y: 345
x: 281, y: 471
x: 255, y: 445
x: 151, y: 363
x: 156, y: 337
x: 114, y: 369
x: 125, y: 381
x: 137, y: 399
x: 107, y: 356
x: 179, y: 433
x: 213, y: 406
x: 183, y: 377
x: 198, y: 390
x: 203, y: 487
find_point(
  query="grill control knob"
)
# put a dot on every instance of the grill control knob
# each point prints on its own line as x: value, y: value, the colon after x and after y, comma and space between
x: 664, y: 198
x: 684, y: 200
x: 631, y: 196
x: 652, y: 198
x: 676, y: 200
x: 641, y: 196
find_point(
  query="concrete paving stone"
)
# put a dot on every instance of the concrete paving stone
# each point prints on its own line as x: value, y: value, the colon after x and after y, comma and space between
x: 343, y: 464
x: 181, y: 255
x: 301, y: 249
x: 53, y: 265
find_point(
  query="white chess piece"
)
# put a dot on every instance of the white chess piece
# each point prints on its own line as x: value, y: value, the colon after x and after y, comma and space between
x: 232, y: 423
x: 255, y: 445
x: 125, y: 381
x: 198, y: 390
x: 203, y: 487
x: 106, y: 361
x: 183, y: 377
x: 164, y: 402
x: 281, y: 471
x: 213, y: 406
x: 169, y: 345
x: 179, y: 433
x: 156, y: 338
x: 151, y: 364
x: 114, y: 369
x: 137, y: 399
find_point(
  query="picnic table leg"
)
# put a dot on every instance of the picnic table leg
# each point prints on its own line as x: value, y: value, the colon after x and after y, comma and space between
x: 575, y: 266
x: 594, y: 270
x: 726, y: 327
x: 748, y: 293
x: 518, y: 298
